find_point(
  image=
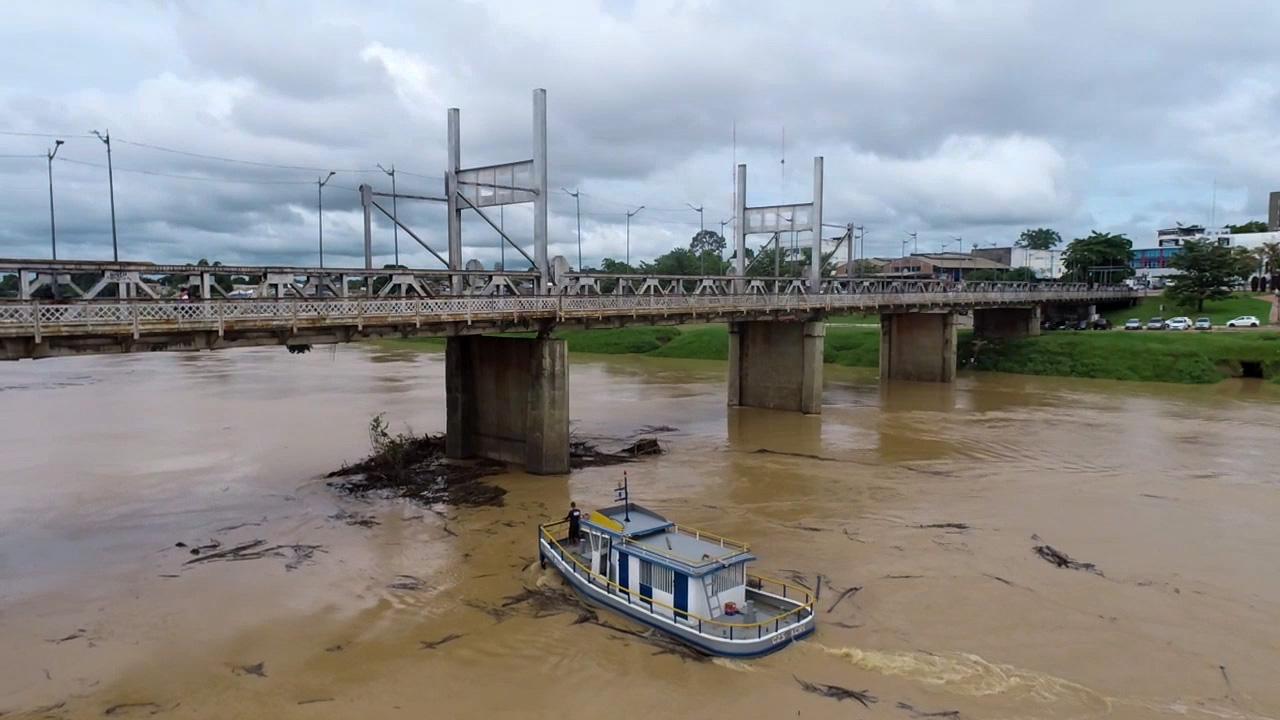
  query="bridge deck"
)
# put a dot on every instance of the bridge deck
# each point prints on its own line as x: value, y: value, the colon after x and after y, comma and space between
x: 46, y: 328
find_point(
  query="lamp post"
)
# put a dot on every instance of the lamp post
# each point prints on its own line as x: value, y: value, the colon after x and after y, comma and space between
x: 719, y: 257
x: 629, y: 216
x: 961, y: 241
x: 111, y: 187
x: 320, y: 183
x: 53, y: 231
x: 395, y: 222
x: 577, y: 207
x: 701, y: 228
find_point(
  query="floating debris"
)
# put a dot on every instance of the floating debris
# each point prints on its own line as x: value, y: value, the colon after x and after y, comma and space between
x: 946, y: 526
x: 125, y: 708
x: 838, y: 693
x: 315, y: 700
x: 79, y: 633
x: 407, y: 582
x: 923, y: 714
x: 258, y: 669
x: 1057, y: 557
x: 847, y: 593
x: 416, y: 468
x: 433, y: 644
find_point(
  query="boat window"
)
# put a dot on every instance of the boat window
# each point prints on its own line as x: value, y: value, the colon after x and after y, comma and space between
x: 657, y: 577
x: 727, y: 578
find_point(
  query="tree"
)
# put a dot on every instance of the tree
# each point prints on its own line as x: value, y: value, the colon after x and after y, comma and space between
x: 707, y: 241
x: 1207, y: 271
x: 1039, y: 239
x: 1253, y: 226
x: 1100, y: 256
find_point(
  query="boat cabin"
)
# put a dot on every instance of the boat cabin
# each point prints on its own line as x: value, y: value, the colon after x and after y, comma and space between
x: 640, y: 552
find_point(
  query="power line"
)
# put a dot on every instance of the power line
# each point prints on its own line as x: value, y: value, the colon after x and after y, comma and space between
x: 239, y: 161
x: 197, y: 178
x: 44, y: 135
x: 11, y: 157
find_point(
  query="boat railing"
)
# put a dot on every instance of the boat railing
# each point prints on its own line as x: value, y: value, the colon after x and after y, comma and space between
x: 736, y: 631
x: 722, y: 541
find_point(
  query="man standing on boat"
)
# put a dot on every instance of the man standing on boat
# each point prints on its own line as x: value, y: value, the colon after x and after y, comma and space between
x: 574, y: 517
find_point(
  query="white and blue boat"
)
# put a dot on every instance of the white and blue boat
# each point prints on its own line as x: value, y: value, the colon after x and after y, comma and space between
x: 689, y: 584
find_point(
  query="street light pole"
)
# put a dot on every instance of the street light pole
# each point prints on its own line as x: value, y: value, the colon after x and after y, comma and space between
x: 53, y: 231
x: 961, y: 241
x: 702, y: 266
x: 577, y: 207
x: 320, y: 183
x: 395, y: 223
x: 629, y: 216
x: 111, y: 187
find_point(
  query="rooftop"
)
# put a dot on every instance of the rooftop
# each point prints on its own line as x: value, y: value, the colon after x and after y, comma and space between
x: 649, y: 534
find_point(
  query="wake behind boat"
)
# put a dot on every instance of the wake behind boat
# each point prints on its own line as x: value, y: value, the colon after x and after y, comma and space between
x: 689, y: 584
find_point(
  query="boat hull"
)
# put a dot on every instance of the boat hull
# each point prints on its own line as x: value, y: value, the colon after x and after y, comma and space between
x: 747, y: 647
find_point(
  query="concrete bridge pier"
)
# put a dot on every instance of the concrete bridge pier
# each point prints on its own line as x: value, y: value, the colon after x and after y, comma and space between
x: 507, y: 399
x: 1006, y: 323
x: 777, y: 364
x: 918, y: 346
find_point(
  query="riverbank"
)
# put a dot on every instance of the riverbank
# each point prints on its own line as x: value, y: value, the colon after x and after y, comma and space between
x: 1218, y: 311
x: 1189, y: 358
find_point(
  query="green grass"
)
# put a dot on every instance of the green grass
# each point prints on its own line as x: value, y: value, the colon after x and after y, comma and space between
x: 1118, y: 355
x: 1184, y: 357
x: 1219, y: 311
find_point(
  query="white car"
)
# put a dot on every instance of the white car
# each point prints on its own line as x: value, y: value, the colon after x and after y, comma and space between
x: 1178, y: 323
x: 1243, y: 321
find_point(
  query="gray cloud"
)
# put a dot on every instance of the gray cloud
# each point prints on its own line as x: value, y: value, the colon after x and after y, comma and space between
x: 970, y: 119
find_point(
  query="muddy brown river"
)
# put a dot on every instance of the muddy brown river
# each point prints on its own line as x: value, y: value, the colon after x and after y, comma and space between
x: 378, y: 608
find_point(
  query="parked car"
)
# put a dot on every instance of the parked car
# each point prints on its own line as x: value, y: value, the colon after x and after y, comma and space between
x: 1155, y: 323
x: 1243, y: 321
x: 1133, y: 324
x: 1101, y: 323
x: 1178, y: 323
x: 1079, y: 324
x: 1204, y: 323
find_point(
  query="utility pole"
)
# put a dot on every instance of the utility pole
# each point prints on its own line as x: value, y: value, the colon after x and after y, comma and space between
x: 395, y: 221
x: 53, y: 231
x: 629, y: 216
x: 320, y: 183
x: 961, y: 241
x: 719, y: 256
x: 702, y: 270
x: 577, y: 208
x: 915, y: 243
x: 111, y: 186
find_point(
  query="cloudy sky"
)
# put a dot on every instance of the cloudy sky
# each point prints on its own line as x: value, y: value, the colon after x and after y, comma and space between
x: 947, y: 118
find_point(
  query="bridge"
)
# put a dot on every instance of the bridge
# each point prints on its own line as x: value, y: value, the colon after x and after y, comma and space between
x: 507, y: 397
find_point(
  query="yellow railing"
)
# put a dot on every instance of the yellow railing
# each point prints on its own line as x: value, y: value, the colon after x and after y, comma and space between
x: 712, y: 537
x: 806, y: 605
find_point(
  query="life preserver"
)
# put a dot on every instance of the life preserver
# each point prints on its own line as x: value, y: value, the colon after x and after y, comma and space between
x: 731, y: 608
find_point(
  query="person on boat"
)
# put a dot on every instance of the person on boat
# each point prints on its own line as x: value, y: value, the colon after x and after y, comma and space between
x: 574, y: 517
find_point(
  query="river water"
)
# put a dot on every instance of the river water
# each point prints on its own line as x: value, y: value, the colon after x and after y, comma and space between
x: 109, y: 461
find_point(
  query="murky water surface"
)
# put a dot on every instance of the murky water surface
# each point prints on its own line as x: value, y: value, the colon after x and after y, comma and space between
x: 108, y: 462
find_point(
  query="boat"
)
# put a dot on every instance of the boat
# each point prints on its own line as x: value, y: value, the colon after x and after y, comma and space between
x: 689, y: 584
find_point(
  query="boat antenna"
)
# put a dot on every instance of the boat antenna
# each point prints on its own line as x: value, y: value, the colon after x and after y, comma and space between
x: 626, y: 498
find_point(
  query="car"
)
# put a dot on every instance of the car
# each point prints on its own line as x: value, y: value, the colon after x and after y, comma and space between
x: 1101, y: 323
x: 1178, y: 323
x: 1204, y: 323
x: 1155, y: 323
x: 1079, y: 324
x: 1133, y: 324
x: 1243, y: 321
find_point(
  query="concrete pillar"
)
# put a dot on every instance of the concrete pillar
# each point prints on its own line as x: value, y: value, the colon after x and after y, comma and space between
x: 776, y: 365
x: 1004, y: 323
x: 918, y: 346
x: 507, y: 399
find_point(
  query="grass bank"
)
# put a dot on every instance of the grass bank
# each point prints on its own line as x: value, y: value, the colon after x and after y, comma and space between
x: 1154, y: 357
x: 1219, y: 311
x: 1117, y: 355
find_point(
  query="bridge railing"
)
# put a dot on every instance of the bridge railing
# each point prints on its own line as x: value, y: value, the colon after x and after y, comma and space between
x: 37, y: 318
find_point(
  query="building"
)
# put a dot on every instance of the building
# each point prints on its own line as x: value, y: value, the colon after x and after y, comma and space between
x: 1044, y: 263
x: 949, y: 266
x: 1151, y: 265
x: 872, y: 265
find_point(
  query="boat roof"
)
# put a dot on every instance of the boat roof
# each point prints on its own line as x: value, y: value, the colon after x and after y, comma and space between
x: 650, y: 535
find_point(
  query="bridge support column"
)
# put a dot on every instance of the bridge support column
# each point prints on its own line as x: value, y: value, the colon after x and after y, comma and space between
x: 918, y: 346
x: 1003, y: 323
x: 507, y: 399
x: 776, y: 365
